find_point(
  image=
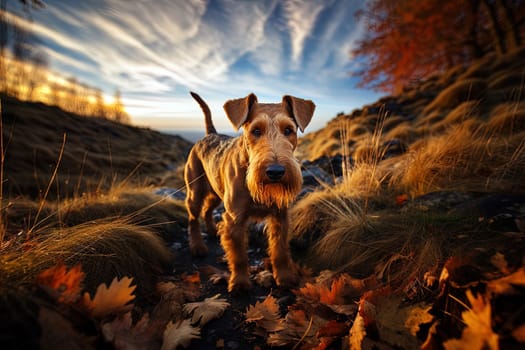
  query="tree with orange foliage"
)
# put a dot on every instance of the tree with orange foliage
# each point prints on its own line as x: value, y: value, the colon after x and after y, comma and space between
x: 409, y: 40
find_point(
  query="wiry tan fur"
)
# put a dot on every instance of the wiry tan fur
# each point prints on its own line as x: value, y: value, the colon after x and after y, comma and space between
x: 241, y: 172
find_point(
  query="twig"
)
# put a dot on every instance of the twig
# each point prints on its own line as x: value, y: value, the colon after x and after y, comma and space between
x: 305, y: 333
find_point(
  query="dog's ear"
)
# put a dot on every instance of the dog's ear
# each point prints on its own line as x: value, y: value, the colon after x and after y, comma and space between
x: 237, y: 110
x: 300, y: 110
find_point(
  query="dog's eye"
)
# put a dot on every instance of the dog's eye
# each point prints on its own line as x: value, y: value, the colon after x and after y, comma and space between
x: 256, y: 132
x: 287, y: 131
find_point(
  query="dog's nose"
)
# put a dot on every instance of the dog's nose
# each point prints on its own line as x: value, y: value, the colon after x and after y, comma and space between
x: 275, y: 172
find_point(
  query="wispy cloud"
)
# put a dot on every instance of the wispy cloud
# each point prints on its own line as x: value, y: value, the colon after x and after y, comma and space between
x: 154, y: 52
x: 301, y: 17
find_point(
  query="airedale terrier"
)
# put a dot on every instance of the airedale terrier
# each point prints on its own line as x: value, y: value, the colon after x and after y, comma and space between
x: 255, y: 175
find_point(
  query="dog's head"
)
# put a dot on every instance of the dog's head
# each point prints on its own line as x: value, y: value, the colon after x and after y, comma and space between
x: 270, y: 137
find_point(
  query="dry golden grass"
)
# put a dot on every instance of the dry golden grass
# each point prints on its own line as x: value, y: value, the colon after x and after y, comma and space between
x: 460, y: 91
x: 464, y: 158
x: 403, y: 131
x: 106, y: 249
x: 507, y: 118
x: 331, y: 231
x: 464, y: 111
x: 119, y: 233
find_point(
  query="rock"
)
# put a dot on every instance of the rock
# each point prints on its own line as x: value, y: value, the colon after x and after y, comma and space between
x: 331, y: 165
x: 315, y: 176
x: 441, y: 201
x: 502, y: 212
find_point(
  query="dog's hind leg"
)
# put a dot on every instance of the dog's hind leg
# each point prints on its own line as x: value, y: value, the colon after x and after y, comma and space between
x: 197, y: 188
x: 211, y: 202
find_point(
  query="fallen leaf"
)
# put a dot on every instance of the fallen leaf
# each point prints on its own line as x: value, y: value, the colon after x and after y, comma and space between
x: 347, y: 310
x: 193, y: 278
x: 519, y: 333
x: 430, y: 279
x: 172, y: 297
x: 213, y: 274
x: 62, y: 284
x: 333, y: 328
x: 417, y: 315
x: 264, y: 279
x: 478, y: 333
x: 121, y: 332
x: 265, y: 315
x: 505, y: 285
x: 179, y: 334
x: 204, y: 311
x: 114, y: 298
x: 401, y: 199
x: 336, y: 294
x: 357, y: 332
x: 298, y: 328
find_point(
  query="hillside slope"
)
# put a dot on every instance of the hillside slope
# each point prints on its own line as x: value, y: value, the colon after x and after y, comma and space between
x: 490, y: 92
x: 97, y: 152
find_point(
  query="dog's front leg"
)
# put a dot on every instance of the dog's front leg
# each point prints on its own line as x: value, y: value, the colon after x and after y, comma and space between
x: 233, y: 233
x: 285, y: 271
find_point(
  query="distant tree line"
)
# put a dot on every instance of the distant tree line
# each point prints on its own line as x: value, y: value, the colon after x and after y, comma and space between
x: 406, y: 40
x: 24, y: 73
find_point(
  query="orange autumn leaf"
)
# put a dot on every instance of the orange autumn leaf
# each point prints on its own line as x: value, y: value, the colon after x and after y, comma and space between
x: 193, y: 278
x: 333, y: 328
x: 334, y: 295
x: 110, y: 299
x: 62, y: 284
x: 507, y: 284
x: 478, y: 333
x: 265, y: 315
x: 401, y: 199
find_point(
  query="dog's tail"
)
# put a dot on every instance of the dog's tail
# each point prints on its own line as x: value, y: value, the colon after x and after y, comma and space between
x: 210, y: 129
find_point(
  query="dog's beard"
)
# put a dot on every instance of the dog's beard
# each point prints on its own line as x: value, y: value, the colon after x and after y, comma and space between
x: 280, y: 194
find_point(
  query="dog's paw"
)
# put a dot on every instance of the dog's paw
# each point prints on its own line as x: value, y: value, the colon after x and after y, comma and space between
x: 198, y: 249
x: 239, y: 284
x: 287, y: 278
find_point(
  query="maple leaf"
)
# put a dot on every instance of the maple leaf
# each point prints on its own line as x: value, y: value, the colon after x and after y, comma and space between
x: 123, y: 335
x: 193, y: 278
x: 335, y: 295
x: 204, y: 311
x: 392, y: 321
x: 504, y: 285
x: 179, y: 334
x: 297, y: 328
x: 264, y: 279
x: 357, y: 332
x: 401, y: 199
x: 478, y: 333
x: 333, y: 328
x: 62, y: 284
x: 336, y: 292
x: 265, y: 315
x: 110, y: 299
x: 417, y: 315
x: 172, y: 298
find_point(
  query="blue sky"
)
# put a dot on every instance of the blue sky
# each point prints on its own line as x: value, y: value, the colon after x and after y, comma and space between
x: 156, y: 51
